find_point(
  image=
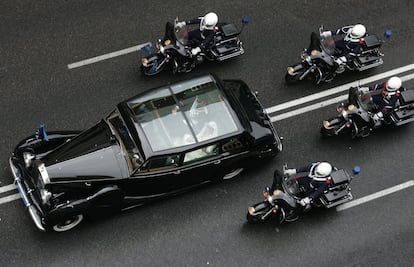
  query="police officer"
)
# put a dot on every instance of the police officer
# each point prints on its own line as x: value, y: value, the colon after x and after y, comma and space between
x: 315, y: 182
x: 350, y: 45
x: 385, y: 96
x: 204, y: 34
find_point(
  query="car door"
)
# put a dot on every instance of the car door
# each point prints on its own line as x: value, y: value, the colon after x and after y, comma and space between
x: 166, y: 174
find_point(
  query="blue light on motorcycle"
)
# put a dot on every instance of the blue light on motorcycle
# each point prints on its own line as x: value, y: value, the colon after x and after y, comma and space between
x: 356, y: 170
x: 388, y: 33
x: 245, y: 20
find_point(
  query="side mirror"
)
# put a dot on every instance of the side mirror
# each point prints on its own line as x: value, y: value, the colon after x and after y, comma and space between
x: 245, y: 20
x: 356, y: 170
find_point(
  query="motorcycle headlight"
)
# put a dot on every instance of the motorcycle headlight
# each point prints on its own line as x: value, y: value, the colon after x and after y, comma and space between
x: 162, y: 49
x: 144, y: 61
x: 351, y: 107
x: 326, y: 124
x: 270, y: 199
x: 344, y: 114
x: 308, y: 59
x: 251, y: 210
x: 290, y: 70
x: 28, y: 157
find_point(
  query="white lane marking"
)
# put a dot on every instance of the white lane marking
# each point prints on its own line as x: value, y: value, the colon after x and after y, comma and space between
x: 106, y: 56
x: 321, y: 104
x: 9, y: 198
x: 376, y: 195
x: 308, y: 108
x: 7, y: 188
x: 338, y: 89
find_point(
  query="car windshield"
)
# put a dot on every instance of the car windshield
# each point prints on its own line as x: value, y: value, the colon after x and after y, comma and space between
x: 123, y: 136
x: 185, y: 113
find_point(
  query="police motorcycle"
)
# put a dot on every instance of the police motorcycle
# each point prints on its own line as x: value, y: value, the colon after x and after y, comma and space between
x: 355, y: 116
x: 282, y: 201
x: 174, y: 49
x: 318, y: 60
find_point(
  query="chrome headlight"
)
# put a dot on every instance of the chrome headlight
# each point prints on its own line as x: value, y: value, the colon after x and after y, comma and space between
x: 251, y: 210
x: 308, y: 59
x: 45, y: 195
x: 44, y: 174
x: 28, y: 158
x: 344, y: 114
x: 162, y: 49
x: 270, y: 199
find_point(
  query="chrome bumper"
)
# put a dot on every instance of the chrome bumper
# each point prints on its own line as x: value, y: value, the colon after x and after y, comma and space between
x: 34, y: 213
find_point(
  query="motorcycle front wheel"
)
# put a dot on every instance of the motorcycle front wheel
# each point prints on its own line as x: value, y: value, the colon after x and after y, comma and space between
x: 251, y: 218
x: 291, y: 78
x: 149, y: 71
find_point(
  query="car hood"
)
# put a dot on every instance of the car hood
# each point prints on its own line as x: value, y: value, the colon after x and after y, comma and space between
x: 93, y: 154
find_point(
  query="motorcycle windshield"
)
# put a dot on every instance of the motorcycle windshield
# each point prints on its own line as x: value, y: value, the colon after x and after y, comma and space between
x: 326, y: 45
x: 181, y: 34
x: 291, y: 187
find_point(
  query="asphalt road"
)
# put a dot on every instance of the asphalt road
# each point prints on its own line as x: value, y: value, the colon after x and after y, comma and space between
x: 205, y: 227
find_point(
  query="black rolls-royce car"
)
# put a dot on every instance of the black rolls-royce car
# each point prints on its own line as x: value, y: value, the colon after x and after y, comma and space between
x: 158, y: 143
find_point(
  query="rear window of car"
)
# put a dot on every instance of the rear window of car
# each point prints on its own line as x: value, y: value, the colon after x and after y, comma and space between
x: 190, y: 112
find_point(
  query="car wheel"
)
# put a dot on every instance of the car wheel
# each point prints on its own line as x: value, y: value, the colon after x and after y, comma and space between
x: 233, y: 174
x: 68, y: 224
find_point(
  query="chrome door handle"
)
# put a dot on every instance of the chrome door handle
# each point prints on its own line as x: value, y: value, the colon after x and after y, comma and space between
x: 217, y: 162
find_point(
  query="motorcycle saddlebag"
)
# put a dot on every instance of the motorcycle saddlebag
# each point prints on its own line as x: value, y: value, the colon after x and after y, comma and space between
x: 372, y: 41
x: 340, y: 177
x: 230, y: 30
x: 407, y: 96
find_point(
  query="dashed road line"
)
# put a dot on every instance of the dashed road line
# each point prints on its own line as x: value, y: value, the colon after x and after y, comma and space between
x: 317, y: 105
x: 7, y: 188
x: 344, y: 87
x: 107, y: 56
x: 9, y: 198
x: 374, y: 196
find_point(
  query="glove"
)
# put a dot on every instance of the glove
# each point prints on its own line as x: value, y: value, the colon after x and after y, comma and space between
x: 290, y: 172
x: 195, y: 51
x: 305, y: 201
x: 377, y: 116
x: 363, y: 90
x: 341, y: 60
x: 326, y: 34
x: 180, y: 24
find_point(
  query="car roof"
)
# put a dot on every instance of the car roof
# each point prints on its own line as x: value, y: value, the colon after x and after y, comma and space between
x: 180, y: 116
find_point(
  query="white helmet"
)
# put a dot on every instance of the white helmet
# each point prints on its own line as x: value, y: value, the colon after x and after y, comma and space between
x: 358, y: 31
x: 323, y: 169
x: 393, y: 84
x: 209, y: 21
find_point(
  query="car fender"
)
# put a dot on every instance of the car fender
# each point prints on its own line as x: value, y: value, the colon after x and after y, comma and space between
x: 107, y: 197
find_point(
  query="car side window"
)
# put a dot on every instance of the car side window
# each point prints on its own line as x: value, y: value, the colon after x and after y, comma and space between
x: 201, y: 154
x: 160, y: 163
